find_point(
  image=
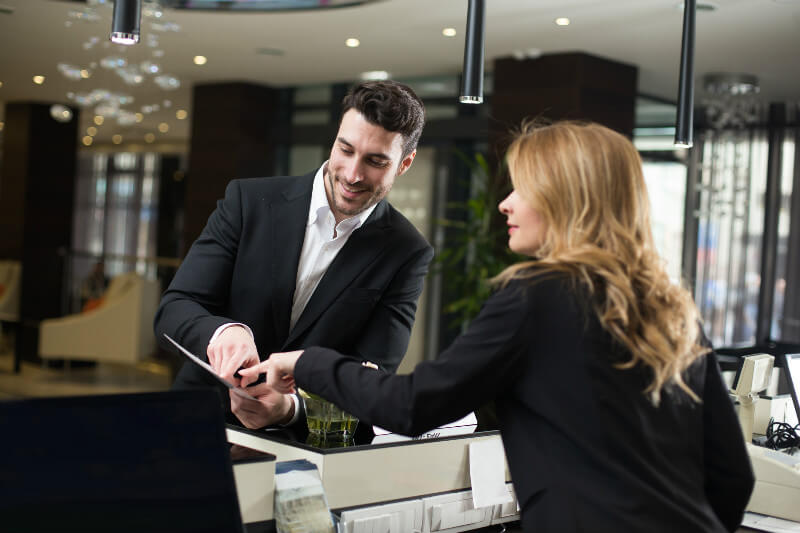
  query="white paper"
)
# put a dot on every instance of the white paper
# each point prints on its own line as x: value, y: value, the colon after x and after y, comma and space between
x: 487, y: 473
x: 468, y: 424
x: 770, y: 523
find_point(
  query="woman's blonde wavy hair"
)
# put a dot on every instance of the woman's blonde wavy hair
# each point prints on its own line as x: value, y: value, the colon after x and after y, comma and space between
x: 586, y: 181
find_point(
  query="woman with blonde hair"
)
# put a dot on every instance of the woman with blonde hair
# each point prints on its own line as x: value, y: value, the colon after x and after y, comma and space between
x: 613, y: 414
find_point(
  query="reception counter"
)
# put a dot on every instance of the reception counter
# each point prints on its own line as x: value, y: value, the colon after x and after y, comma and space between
x: 415, y: 485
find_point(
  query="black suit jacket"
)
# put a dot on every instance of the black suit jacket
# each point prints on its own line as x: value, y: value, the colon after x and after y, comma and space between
x: 243, y: 268
x: 586, y: 449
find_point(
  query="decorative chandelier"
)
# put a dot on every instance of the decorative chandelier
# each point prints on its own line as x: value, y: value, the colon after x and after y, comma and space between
x: 136, y: 68
x: 731, y: 101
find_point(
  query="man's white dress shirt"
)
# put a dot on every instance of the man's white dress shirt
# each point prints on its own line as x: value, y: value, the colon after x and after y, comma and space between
x: 323, y: 241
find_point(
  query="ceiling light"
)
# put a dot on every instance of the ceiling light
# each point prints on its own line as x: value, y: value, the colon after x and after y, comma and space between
x: 125, y: 21
x: 352, y: 42
x: 562, y: 21
x: 91, y: 131
x: 1, y: 126
x: 116, y: 138
x: 266, y: 51
x: 85, y: 73
x: 163, y: 127
x: 181, y: 114
x: 374, y: 75
x: 38, y: 80
x: 60, y: 113
x: 472, y: 73
x: 200, y: 60
x: 731, y: 102
x: 149, y: 137
x: 98, y: 119
x: 87, y: 141
x: 139, y: 117
x: 1, y: 84
x: 449, y: 32
x: 733, y: 84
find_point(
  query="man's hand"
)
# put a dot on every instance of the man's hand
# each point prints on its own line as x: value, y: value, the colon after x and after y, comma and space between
x: 231, y: 350
x: 279, y: 369
x: 270, y: 407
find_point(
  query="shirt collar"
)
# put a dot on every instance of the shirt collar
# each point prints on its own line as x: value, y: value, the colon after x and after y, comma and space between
x: 320, y: 209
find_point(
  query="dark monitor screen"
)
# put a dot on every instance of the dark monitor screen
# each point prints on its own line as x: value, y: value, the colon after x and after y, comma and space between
x: 792, y: 368
x: 133, y: 462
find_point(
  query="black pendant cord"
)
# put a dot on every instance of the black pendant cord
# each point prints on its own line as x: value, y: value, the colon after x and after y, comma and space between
x: 685, y: 118
x: 472, y: 76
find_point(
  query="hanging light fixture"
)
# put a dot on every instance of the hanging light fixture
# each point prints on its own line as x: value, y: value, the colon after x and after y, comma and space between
x: 125, y: 21
x: 472, y: 76
x: 685, y: 119
x: 731, y: 100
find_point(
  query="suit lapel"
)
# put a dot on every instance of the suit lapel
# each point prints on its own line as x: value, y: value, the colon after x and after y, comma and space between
x: 355, y: 256
x: 288, y: 218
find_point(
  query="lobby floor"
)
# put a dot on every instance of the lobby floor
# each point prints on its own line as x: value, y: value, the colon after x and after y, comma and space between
x: 37, y: 380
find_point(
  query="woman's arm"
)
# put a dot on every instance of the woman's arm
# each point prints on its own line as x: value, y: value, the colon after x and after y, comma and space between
x: 479, y: 365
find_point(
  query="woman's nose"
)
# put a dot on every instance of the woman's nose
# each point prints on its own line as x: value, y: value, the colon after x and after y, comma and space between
x: 504, y: 205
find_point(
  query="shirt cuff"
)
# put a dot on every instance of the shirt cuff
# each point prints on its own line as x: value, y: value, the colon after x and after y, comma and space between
x: 223, y: 327
x: 296, y: 414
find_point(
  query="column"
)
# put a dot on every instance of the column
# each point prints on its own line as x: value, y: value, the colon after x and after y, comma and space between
x: 232, y: 137
x: 37, y: 183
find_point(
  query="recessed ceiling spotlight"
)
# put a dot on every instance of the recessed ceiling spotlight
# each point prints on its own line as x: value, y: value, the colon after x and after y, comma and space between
x: 181, y: 114
x: 91, y: 131
x: 701, y: 6
x: 38, y: 80
x: 200, y: 60
x: 163, y: 127
x: 562, y: 21
x: 267, y: 51
x: 85, y: 73
x: 149, y: 137
x: 116, y: 138
x: 98, y: 119
x: 374, y: 75
x: 1, y: 126
x: 352, y: 42
x: 1, y: 84
x: 449, y: 32
x: 139, y: 117
x: 87, y: 141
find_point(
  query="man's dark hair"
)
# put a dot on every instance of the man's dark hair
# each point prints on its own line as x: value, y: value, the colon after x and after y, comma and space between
x: 390, y: 105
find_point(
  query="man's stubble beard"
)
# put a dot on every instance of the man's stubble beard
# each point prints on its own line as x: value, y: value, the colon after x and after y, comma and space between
x: 344, y: 208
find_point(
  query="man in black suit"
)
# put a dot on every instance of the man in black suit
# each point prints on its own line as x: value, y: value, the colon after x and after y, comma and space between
x: 321, y: 259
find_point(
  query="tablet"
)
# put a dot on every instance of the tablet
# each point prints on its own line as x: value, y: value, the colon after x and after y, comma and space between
x: 205, y: 366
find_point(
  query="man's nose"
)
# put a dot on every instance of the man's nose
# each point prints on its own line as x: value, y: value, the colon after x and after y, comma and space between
x: 352, y: 172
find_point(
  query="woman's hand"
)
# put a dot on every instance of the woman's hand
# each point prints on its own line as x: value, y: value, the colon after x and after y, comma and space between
x: 279, y: 369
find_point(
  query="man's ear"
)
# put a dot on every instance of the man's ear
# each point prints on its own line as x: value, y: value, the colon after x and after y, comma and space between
x: 406, y: 163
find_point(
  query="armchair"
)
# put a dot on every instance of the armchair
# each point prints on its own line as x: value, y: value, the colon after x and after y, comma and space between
x: 120, y: 330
